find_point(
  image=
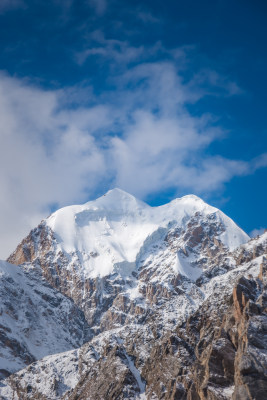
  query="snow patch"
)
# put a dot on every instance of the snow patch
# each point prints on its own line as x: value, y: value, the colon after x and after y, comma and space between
x: 182, y: 266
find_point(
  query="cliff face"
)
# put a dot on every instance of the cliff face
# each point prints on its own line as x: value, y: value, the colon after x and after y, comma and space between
x: 220, y: 352
x: 177, y: 313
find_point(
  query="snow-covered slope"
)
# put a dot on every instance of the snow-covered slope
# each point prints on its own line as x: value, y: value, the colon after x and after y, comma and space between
x: 109, y: 232
x: 35, y: 319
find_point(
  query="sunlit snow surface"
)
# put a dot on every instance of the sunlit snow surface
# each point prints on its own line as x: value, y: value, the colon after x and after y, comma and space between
x: 109, y: 232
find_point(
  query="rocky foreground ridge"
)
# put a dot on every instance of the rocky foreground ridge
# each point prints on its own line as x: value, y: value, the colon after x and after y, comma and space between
x: 150, y: 303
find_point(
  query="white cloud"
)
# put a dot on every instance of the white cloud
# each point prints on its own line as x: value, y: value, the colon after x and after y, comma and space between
x: 46, y: 156
x: 257, y: 232
x: 139, y: 136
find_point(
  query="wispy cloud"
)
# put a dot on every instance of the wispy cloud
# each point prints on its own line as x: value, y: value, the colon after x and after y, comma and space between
x: 8, y: 5
x: 100, y: 6
x: 147, y: 17
x: 210, y: 82
x: 114, y: 50
x: 257, y: 232
x: 259, y: 162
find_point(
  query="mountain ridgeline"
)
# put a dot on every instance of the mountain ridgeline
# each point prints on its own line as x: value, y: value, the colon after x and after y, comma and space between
x: 115, y: 299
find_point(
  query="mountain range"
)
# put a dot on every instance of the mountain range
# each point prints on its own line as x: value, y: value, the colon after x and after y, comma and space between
x: 115, y: 299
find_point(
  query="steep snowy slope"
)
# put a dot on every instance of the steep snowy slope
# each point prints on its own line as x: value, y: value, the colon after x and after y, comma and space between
x: 35, y: 319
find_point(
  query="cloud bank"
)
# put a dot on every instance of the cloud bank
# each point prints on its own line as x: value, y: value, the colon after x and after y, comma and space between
x: 64, y: 146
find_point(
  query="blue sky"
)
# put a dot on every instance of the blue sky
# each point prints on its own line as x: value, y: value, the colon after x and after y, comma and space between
x: 159, y: 98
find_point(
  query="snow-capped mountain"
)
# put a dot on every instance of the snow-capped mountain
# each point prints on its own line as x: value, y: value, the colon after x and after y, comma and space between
x: 116, y: 255
x: 107, y: 235
x: 144, y: 279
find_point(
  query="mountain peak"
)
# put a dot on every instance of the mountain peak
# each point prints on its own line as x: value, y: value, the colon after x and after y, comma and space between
x: 117, y: 200
x: 118, y: 192
x: 116, y: 226
x: 192, y: 197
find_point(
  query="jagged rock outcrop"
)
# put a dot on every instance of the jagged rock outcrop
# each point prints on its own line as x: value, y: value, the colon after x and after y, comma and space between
x: 220, y: 352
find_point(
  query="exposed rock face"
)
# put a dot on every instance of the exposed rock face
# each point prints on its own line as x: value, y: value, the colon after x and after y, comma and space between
x: 251, y: 338
x: 218, y: 353
x: 184, y: 319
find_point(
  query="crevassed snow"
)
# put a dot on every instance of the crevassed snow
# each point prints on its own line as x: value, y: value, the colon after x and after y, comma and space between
x: 111, y: 230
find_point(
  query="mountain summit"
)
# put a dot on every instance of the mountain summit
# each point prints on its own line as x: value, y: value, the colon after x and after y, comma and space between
x: 114, y: 228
